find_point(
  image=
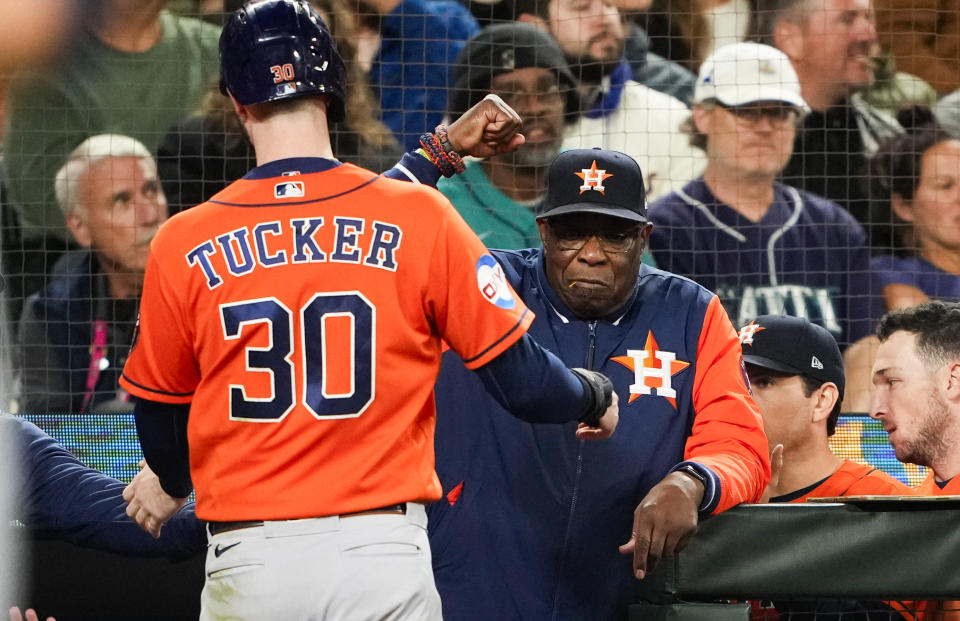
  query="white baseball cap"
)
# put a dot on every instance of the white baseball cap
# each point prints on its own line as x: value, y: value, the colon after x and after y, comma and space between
x: 744, y: 73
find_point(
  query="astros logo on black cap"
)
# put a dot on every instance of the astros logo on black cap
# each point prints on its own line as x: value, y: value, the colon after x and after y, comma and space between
x: 593, y: 178
x: 747, y: 332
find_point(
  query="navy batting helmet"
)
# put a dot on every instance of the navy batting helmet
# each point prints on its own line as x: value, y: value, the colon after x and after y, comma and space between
x: 277, y: 49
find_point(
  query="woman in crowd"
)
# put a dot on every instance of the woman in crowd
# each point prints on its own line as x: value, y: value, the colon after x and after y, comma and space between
x: 916, y: 181
x: 915, y: 190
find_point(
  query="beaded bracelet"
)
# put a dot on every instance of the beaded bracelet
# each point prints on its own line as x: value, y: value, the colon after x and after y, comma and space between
x: 455, y: 159
x: 437, y: 154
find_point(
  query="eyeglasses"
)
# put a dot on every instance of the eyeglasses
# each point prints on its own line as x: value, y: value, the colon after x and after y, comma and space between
x: 777, y: 115
x: 615, y: 242
x: 548, y: 95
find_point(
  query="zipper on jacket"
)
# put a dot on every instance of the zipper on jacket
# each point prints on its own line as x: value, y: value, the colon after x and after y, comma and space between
x: 588, y: 363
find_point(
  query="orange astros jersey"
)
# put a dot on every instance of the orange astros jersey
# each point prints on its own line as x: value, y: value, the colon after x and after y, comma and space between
x: 933, y: 609
x: 856, y: 479
x: 300, y: 312
x: 929, y: 487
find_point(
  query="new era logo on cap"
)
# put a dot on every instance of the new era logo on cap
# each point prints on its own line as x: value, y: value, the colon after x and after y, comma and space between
x: 793, y: 345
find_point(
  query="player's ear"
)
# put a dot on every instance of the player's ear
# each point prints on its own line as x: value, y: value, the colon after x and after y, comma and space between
x: 826, y: 398
x: 79, y: 228
x: 240, y: 110
x: 953, y: 382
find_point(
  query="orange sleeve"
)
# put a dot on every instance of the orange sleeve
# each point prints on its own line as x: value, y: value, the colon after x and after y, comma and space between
x: 727, y: 434
x: 160, y: 366
x: 477, y: 312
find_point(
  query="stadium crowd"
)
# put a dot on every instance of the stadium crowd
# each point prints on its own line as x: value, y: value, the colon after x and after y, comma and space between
x: 797, y: 158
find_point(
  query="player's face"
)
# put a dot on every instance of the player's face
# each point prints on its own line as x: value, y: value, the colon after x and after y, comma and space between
x: 589, y: 29
x: 597, y: 278
x: 908, y: 401
x: 935, y: 209
x: 839, y: 40
x: 534, y: 92
x: 752, y: 141
x: 786, y: 409
x: 124, y: 208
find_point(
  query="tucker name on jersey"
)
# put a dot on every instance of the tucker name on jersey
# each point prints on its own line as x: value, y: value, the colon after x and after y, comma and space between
x: 242, y: 251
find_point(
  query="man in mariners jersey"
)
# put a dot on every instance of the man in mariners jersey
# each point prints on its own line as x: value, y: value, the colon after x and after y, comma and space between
x: 531, y: 522
x: 763, y: 247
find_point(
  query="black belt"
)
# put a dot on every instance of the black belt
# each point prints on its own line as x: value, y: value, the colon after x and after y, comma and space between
x: 216, y: 528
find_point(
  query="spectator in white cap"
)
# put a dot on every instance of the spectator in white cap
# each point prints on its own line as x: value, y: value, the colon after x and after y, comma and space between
x: 763, y: 247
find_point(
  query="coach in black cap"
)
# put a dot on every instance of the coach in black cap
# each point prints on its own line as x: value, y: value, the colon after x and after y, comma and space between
x: 694, y: 443
x: 594, y: 228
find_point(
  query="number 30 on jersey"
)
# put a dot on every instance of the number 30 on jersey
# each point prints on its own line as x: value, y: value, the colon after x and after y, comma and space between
x: 340, y: 317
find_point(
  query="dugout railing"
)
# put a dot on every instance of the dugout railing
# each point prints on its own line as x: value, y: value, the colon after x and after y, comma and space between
x: 881, y: 550
x: 870, y: 550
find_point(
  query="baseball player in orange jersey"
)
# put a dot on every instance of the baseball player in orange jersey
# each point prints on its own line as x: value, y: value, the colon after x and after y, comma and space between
x: 290, y: 334
x: 916, y: 376
x: 797, y: 378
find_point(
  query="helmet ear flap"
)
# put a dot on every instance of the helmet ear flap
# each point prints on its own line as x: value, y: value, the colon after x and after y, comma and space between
x: 272, y: 50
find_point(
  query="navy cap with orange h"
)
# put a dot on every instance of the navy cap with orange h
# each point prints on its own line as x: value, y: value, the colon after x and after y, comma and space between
x: 595, y: 181
x: 793, y: 345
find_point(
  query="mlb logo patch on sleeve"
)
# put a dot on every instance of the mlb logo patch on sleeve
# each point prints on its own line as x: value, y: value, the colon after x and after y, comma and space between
x: 288, y: 189
x: 493, y: 284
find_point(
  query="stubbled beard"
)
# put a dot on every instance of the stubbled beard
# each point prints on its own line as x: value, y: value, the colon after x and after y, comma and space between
x: 930, y: 446
x: 536, y: 157
x: 590, y: 69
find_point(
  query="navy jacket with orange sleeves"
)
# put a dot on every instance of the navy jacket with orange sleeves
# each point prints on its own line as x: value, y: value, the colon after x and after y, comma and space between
x: 532, y: 517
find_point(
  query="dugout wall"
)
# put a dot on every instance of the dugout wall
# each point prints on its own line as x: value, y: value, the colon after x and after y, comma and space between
x: 878, y: 550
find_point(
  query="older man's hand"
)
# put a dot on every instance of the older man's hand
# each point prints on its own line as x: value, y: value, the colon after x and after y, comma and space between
x: 147, y: 504
x: 664, y: 521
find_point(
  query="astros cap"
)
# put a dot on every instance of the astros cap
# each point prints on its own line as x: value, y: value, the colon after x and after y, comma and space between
x: 595, y: 181
x: 793, y: 345
x: 745, y: 73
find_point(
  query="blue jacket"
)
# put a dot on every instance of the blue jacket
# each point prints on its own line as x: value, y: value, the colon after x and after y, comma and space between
x: 414, y: 70
x: 56, y: 335
x: 532, y: 517
x: 57, y: 496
